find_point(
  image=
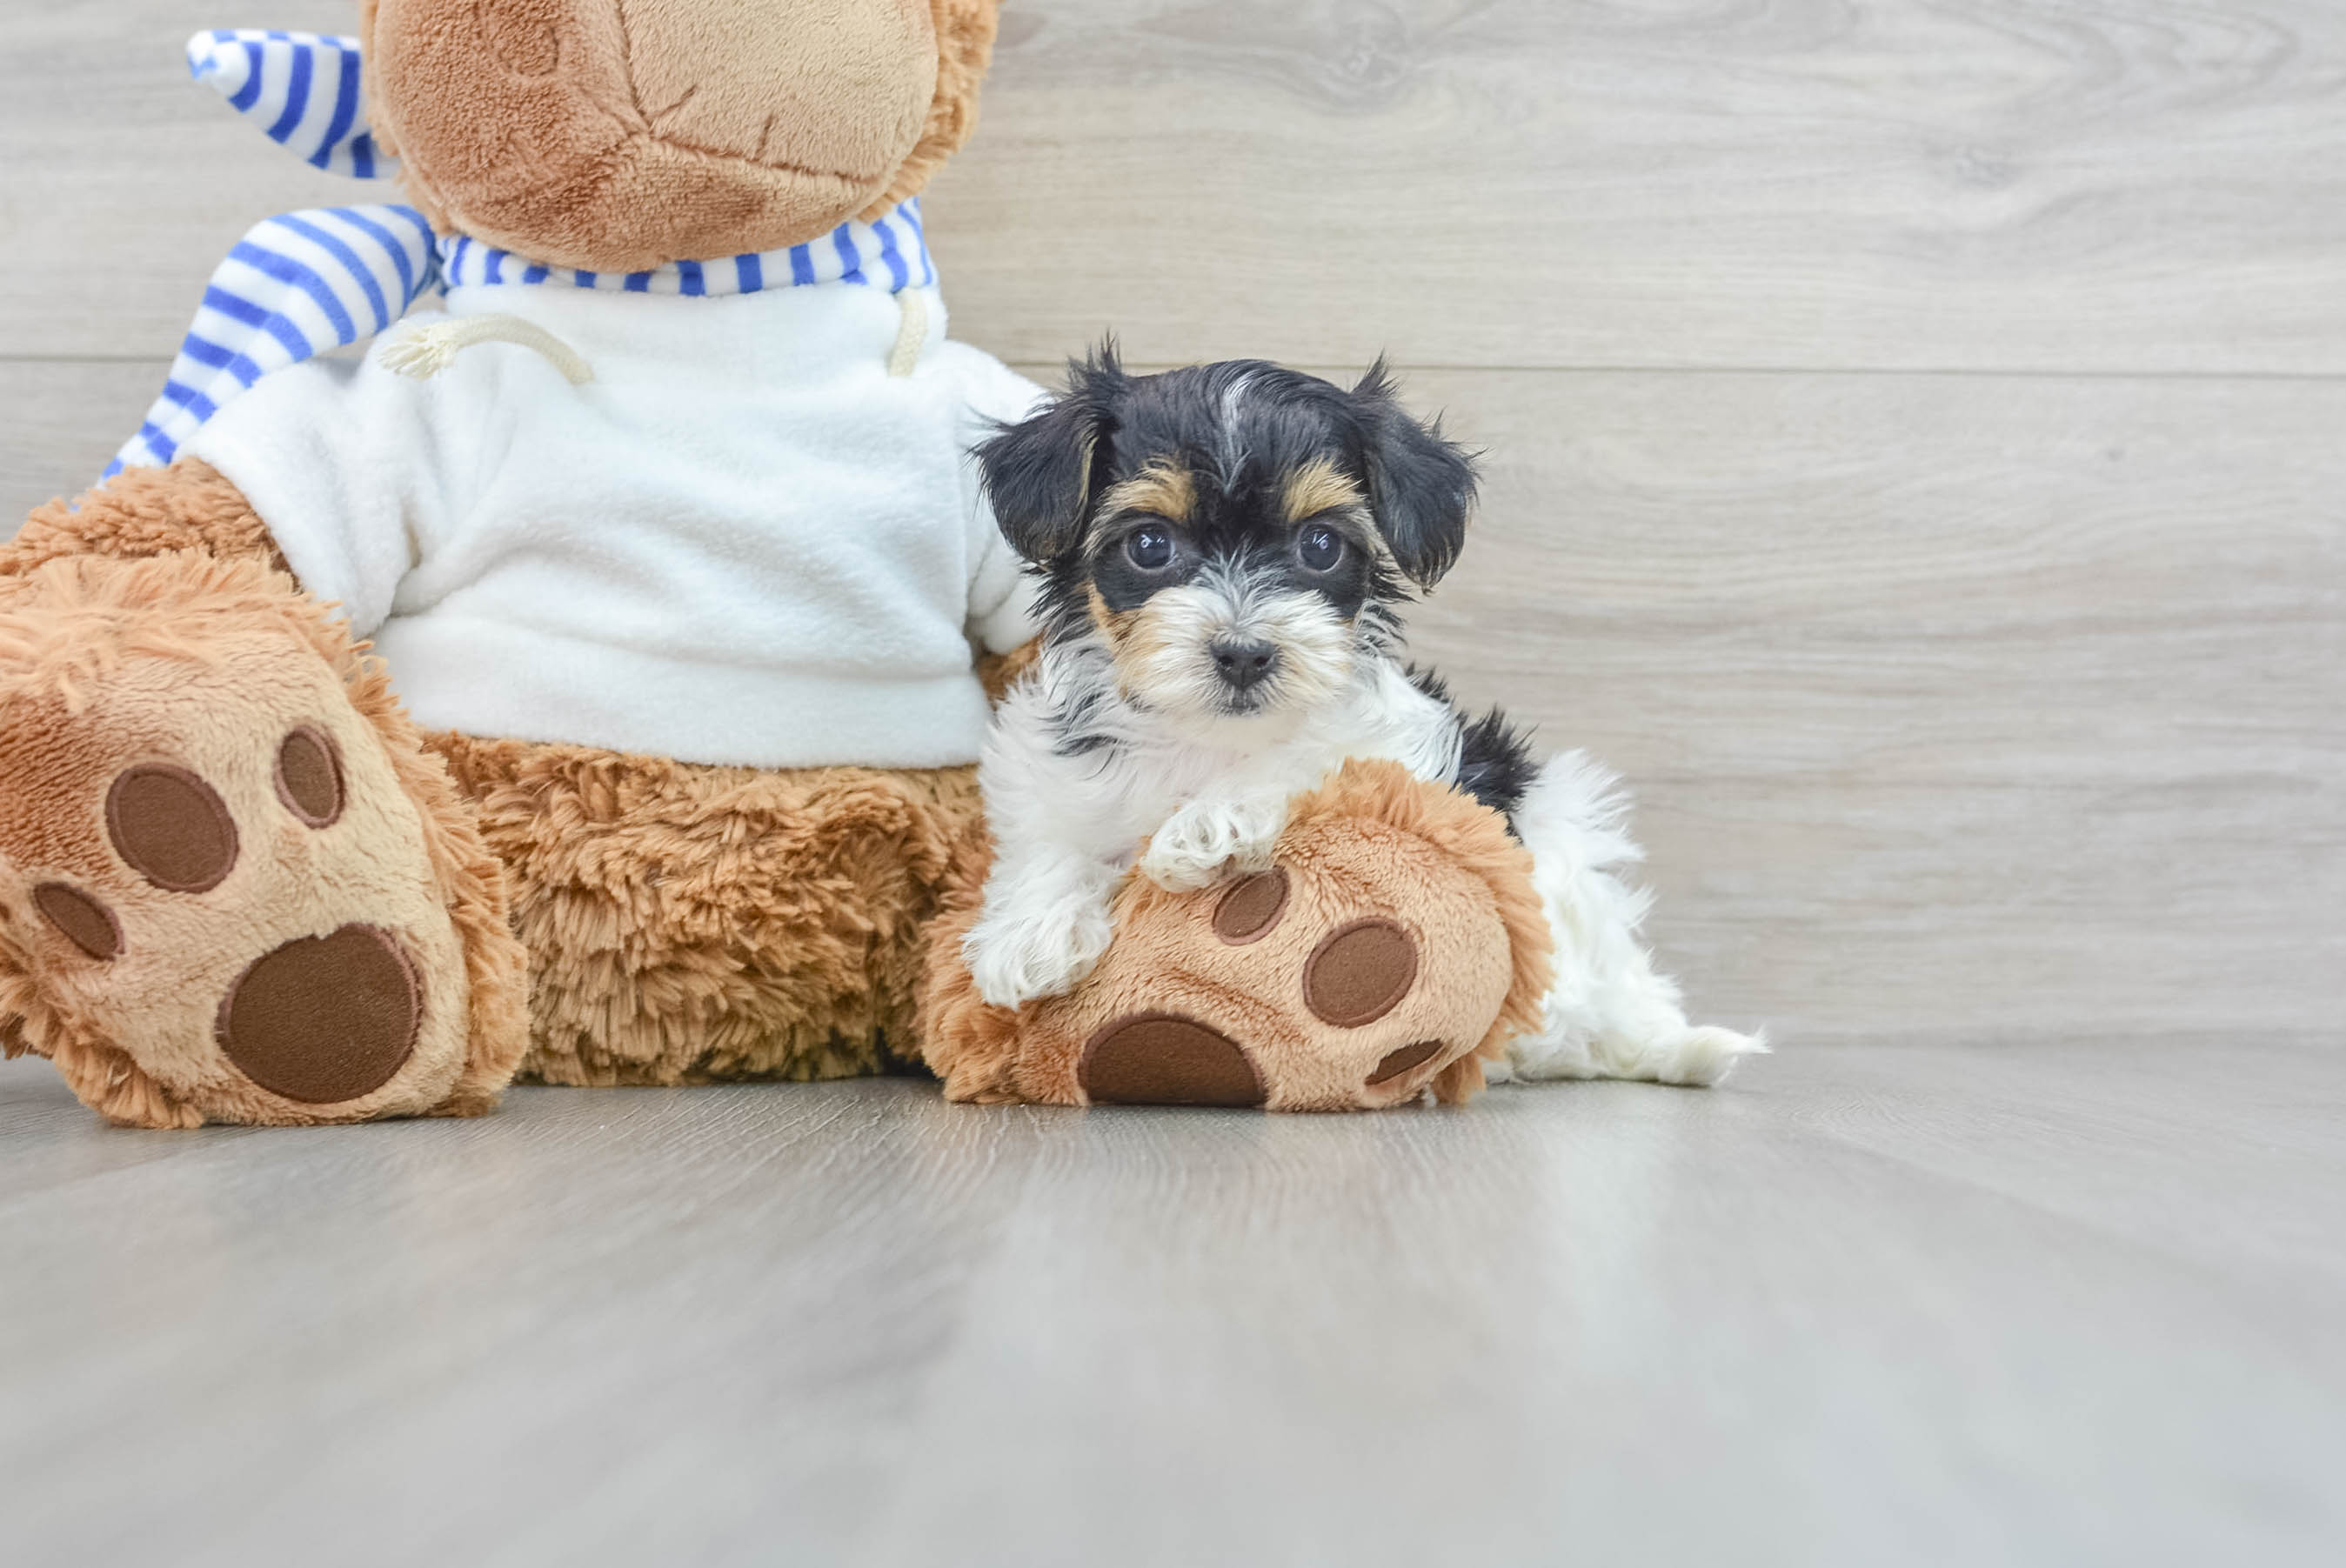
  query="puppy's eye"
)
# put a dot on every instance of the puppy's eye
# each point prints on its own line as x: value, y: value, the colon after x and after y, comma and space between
x: 1150, y: 549
x: 1319, y: 549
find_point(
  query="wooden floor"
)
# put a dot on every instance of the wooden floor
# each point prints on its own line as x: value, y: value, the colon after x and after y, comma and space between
x: 2051, y: 1305
x: 1916, y: 454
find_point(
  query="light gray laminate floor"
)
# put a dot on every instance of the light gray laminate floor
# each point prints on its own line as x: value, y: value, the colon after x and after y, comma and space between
x: 2070, y: 1304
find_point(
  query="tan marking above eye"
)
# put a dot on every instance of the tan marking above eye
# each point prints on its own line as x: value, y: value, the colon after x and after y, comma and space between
x: 1164, y: 489
x: 1318, y: 488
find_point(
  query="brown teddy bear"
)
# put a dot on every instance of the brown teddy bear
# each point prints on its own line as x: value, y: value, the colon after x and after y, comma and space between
x: 705, y: 777
x: 665, y: 531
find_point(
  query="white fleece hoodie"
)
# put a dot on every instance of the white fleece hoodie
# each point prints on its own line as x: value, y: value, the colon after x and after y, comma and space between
x: 743, y: 541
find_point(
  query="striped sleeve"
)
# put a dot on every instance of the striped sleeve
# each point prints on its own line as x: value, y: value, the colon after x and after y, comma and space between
x: 294, y: 287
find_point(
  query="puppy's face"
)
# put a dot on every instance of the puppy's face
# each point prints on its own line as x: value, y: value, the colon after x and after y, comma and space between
x: 1235, y: 536
x: 1227, y: 596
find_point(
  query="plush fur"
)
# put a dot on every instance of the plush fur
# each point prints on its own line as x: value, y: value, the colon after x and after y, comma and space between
x: 689, y: 924
x: 1224, y: 551
x: 964, y: 32
x: 683, y: 923
x: 619, y: 138
x: 146, y: 512
x: 1372, y: 843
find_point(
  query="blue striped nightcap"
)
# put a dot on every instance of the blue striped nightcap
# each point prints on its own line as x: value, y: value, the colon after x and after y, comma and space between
x: 301, y: 88
x: 294, y: 287
x: 891, y: 252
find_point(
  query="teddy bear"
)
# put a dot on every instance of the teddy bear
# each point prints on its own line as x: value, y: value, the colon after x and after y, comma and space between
x: 584, y: 681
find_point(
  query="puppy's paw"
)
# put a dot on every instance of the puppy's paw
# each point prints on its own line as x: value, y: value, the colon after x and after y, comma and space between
x: 1207, y: 841
x: 1015, y: 961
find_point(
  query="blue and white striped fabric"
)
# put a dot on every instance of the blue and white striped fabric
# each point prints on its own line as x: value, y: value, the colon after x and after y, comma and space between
x: 301, y: 88
x: 293, y: 288
x: 890, y: 252
x: 302, y: 284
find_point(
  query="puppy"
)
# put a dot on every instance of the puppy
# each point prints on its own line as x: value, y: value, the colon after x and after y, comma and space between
x: 1224, y: 551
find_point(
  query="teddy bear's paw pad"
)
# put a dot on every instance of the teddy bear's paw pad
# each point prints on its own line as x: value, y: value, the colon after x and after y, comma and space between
x: 324, y: 1019
x: 1164, y: 1059
x: 1360, y: 973
x: 171, y: 828
x: 81, y: 919
x: 1251, y: 910
x: 310, y: 778
x: 1407, y: 1059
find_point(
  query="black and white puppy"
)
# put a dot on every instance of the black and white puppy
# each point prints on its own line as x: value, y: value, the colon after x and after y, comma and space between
x: 1223, y: 551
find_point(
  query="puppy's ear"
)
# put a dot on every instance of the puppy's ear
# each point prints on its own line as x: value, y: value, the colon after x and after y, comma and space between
x: 1420, y: 485
x: 1039, y: 473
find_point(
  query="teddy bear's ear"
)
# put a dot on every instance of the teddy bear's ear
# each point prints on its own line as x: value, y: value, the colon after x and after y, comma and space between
x: 300, y: 88
x: 1038, y: 474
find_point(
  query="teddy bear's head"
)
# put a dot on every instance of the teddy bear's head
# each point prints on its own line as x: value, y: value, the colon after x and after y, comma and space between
x: 622, y: 134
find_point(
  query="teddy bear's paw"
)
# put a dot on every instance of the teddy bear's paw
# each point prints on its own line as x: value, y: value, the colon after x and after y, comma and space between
x: 1284, y: 997
x: 1392, y: 947
x: 217, y: 895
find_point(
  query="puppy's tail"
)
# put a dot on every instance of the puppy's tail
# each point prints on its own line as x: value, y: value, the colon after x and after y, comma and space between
x: 1575, y: 794
x: 1610, y: 1014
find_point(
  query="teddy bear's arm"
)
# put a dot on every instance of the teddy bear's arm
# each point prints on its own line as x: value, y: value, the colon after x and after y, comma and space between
x: 146, y: 512
x: 330, y: 472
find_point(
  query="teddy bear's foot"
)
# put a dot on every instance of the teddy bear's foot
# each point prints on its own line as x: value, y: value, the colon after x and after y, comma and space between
x: 1391, y: 950
x: 231, y: 886
x: 1378, y: 1024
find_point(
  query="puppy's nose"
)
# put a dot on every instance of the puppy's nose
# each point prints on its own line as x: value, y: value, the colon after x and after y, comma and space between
x: 1244, y: 664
